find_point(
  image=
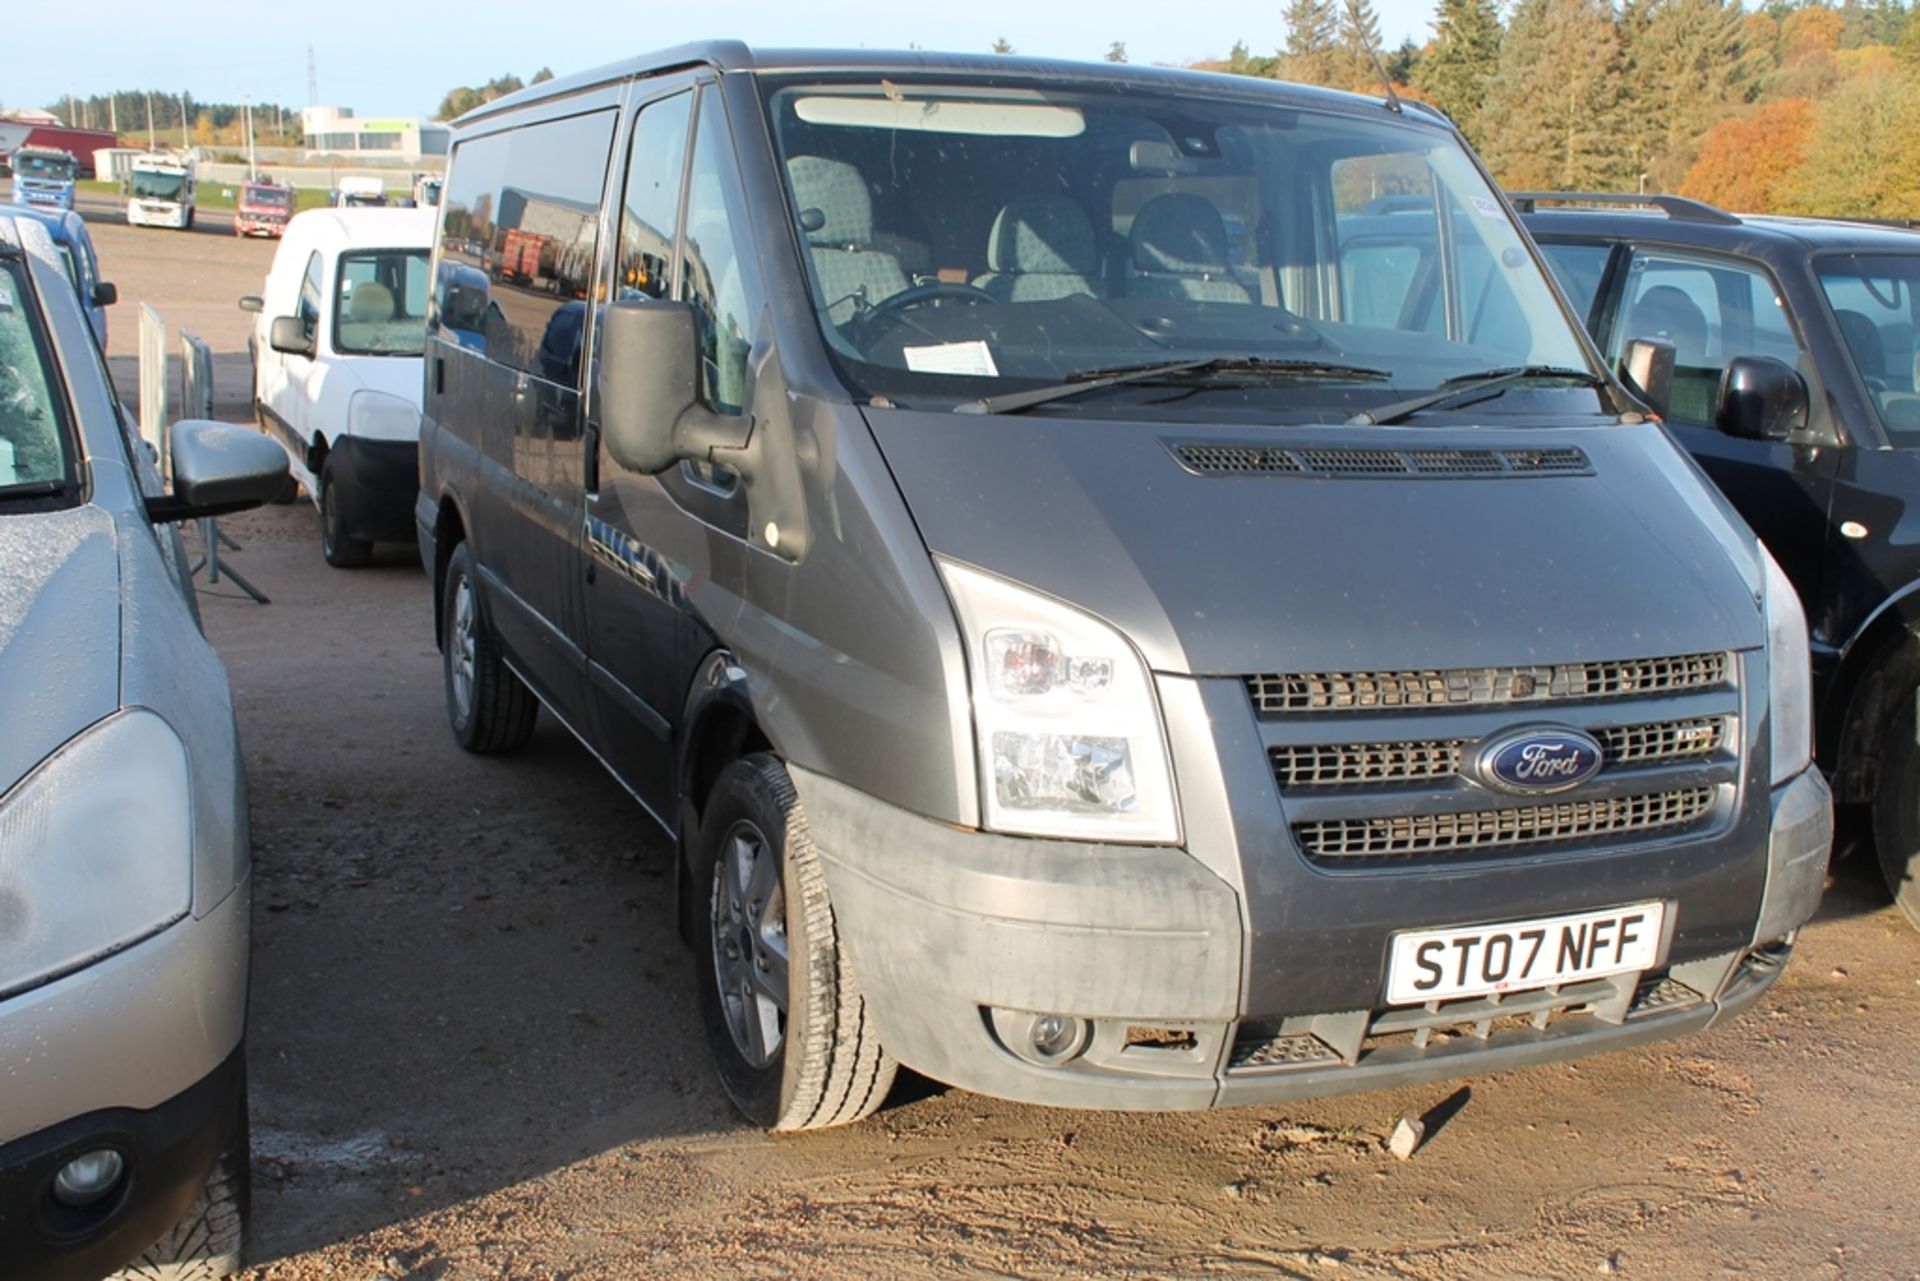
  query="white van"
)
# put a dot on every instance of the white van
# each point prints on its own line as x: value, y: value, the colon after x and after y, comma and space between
x: 336, y: 367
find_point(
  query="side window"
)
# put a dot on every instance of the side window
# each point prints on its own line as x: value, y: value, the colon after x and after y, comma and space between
x: 1711, y: 310
x: 1578, y: 269
x: 718, y: 277
x: 310, y: 295
x: 520, y: 233
x: 650, y: 209
x: 1388, y: 241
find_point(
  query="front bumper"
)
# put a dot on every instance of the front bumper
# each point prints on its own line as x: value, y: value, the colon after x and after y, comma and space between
x: 376, y: 483
x: 945, y: 926
x: 142, y: 1052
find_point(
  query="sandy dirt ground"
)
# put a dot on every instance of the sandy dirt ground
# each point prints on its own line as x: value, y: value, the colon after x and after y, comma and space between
x: 475, y: 1050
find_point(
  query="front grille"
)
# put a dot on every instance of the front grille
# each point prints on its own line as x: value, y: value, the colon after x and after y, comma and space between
x: 1217, y: 458
x: 1479, y: 832
x: 1304, y: 765
x: 1483, y: 686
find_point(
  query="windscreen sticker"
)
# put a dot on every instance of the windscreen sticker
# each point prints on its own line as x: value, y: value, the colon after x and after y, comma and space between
x: 1488, y: 206
x: 970, y: 358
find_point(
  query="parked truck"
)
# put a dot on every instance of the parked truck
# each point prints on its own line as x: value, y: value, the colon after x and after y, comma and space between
x: 520, y: 252
x: 263, y: 209
x: 358, y: 189
x: 162, y: 191
x: 43, y: 177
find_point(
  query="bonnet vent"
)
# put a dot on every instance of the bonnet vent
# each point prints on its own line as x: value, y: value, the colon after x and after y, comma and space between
x: 1206, y: 458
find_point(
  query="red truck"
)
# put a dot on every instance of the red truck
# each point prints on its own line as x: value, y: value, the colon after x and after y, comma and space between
x: 520, y: 256
x: 81, y: 142
x: 263, y: 209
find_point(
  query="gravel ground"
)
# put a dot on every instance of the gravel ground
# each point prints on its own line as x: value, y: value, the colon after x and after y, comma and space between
x: 475, y: 1049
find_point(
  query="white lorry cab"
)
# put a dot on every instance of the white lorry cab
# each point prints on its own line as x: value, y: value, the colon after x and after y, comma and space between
x: 162, y: 191
x: 357, y: 190
x: 336, y: 346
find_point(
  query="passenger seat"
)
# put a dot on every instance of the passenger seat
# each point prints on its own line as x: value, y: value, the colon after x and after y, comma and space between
x: 836, y: 216
x: 1178, y: 248
x: 1041, y: 248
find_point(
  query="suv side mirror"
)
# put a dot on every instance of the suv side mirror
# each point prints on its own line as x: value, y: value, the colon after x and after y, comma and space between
x: 1647, y: 368
x: 289, y: 334
x: 218, y: 468
x: 105, y: 294
x: 650, y: 415
x: 253, y: 303
x: 1761, y: 399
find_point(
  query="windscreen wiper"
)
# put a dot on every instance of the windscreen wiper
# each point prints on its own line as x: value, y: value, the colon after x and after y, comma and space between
x: 1085, y: 380
x: 1468, y: 388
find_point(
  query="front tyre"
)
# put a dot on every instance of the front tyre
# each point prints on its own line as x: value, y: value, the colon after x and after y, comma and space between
x: 1896, y: 808
x: 205, y: 1244
x: 342, y: 549
x: 489, y: 709
x: 789, y: 1028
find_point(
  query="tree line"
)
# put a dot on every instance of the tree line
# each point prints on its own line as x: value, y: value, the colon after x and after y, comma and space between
x: 1798, y: 106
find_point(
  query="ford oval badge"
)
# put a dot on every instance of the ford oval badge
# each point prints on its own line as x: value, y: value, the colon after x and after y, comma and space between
x: 1539, y: 759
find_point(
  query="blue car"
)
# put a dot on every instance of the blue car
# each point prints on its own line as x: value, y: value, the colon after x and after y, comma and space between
x: 69, y: 233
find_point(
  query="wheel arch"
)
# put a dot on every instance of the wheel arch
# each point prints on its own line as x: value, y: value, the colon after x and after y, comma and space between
x: 719, y: 726
x: 1880, y: 657
x: 449, y: 531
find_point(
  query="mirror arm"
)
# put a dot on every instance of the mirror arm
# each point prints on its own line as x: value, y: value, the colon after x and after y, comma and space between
x: 700, y: 433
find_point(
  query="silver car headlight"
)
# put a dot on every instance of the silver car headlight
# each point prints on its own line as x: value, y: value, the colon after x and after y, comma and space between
x: 96, y: 849
x: 1066, y: 722
x: 1789, y: 675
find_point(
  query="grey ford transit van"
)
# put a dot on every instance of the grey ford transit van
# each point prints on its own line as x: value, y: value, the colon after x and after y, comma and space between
x: 1094, y: 639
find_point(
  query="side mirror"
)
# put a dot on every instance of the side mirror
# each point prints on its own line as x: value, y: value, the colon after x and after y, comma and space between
x: 253, y: 303
x: 650, y: 415
x: 218, y: 468
x: 289, y: 334
x: 1761, y: 399
x: 105, y: 294
x: 1647, y: 367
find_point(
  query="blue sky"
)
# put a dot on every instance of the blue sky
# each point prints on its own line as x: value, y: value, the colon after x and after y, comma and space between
x: 400, y: 57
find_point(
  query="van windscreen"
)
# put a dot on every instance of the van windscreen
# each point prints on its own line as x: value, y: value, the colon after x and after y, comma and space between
x: 970, y: 238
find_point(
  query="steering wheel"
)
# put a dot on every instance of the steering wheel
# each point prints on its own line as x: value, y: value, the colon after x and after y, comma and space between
x: 928, y: 294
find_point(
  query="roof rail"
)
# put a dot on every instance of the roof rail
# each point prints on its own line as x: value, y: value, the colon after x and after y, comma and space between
x: 1678, y: 208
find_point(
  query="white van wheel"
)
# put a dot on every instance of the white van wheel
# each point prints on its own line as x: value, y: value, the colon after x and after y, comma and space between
x: 342, y: 550
x: 789, y: 1027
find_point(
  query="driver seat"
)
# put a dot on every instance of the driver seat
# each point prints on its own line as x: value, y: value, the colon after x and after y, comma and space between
x: 836, y: 217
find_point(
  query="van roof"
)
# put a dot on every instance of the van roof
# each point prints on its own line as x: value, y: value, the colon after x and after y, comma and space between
x: 734, y: 56
x: 383, y: 227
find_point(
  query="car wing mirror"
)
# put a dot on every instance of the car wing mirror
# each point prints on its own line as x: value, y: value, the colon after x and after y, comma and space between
x: 253, y: 302
x: 1647, y: 369
x: 1761, y: 399
x: 289, y: 334
x: 105, y: 294
x: 218, y: 468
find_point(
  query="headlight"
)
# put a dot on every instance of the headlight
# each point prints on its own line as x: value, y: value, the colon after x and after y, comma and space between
x: 96, y: 849
x: 1789, y: 679
x: 374, y: 415
x: 1067, y: 725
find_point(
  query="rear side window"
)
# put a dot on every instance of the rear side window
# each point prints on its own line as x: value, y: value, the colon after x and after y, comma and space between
x: 34, y: 450
x: 522, y: 214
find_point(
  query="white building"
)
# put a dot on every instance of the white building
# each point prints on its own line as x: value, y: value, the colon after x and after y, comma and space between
x: 336, y: 131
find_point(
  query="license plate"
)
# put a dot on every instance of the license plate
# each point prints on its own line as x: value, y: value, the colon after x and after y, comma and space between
x: 1478, y: 960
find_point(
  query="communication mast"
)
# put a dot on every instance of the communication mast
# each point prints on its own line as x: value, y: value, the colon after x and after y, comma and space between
x: 313, y: 78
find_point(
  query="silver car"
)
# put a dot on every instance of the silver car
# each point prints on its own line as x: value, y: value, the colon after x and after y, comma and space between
x: 124, y: 851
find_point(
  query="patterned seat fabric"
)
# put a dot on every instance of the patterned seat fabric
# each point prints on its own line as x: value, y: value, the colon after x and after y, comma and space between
x: 1668, y: 313
x: 836, y: 215
x: 1179, y: 249
x: 1041, y: 248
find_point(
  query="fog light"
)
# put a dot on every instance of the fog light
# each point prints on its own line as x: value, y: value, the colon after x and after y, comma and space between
x: 86, y: 1179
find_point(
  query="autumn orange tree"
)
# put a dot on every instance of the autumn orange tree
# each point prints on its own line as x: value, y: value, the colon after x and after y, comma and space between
x: 1749, y: 162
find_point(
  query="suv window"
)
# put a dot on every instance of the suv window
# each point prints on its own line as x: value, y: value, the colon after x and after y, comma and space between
x: 34, y: 458
x: 1711, y: 310
x: 523, y: 207
x: 1874, y: 305
x: 1579, y: 269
